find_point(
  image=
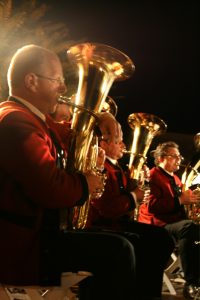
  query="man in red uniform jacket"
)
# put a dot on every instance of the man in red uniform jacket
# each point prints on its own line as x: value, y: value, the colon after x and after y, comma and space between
x: 33, y: 189
x: 165, y: 208
x: 111, y: 211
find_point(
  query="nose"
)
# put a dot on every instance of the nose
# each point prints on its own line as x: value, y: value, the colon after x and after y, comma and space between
x: 62, y: 88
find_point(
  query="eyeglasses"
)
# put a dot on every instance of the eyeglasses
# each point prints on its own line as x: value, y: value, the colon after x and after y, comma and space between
x: 58, y: 80
x: 175, y: 156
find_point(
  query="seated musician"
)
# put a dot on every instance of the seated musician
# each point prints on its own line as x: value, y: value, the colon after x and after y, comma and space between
x: 165, y: 208
x: 34, y: 189
x: 112, y: 210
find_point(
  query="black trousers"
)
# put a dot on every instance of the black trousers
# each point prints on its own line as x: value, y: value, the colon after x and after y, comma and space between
x: 126, y: 264
x: 110, y: 257
x: 187, y: 235
x: 153, y: 247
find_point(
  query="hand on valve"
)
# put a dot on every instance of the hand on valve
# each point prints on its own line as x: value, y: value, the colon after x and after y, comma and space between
x: 189, y: 197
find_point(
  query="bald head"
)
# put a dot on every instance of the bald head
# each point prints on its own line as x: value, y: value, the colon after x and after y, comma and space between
x: 30, y: 58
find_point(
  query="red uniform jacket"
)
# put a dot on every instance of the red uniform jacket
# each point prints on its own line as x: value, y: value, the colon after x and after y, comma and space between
x: 164, y: 206
x: 115, y: 202
x: 30, y: 182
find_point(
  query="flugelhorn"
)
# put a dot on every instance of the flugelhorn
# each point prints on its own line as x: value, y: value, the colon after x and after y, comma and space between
x: 97, y: 66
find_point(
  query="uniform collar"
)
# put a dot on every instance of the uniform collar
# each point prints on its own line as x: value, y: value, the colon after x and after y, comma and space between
x: 113, y: 161
x: 30, y: 106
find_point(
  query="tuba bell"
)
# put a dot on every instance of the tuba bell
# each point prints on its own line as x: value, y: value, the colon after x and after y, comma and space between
x: 145, y: 127
x: 97, y: 66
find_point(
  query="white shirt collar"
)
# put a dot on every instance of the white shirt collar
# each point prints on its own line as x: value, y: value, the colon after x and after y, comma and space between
x: 113, y: 161
x: 170, y: 173
x: 32, y: 108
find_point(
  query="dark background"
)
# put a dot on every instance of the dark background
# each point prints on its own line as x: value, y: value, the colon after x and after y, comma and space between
x: 161, y: 39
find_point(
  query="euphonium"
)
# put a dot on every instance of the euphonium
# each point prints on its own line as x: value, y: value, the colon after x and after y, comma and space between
x: 97, y: 66
x: 145, y: 127
x: 189, y: 180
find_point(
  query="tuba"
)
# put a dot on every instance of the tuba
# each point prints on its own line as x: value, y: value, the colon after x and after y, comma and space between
x: 191, y: 179
x: 145, y: 127
x: 97, y: 66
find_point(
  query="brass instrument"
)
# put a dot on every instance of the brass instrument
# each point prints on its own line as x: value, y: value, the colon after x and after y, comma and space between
x: 197, y: 141
x: 192, y: 170
x: 97, y: 66
x: 110, y: 106
x: 145, y: 127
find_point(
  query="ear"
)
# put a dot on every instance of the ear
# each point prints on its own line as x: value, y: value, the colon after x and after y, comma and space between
x: 161, y: 158
x: 31, y: 81
x: 102, y: 144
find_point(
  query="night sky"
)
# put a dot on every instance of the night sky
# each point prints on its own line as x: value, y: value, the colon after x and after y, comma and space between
x: 161, y: 39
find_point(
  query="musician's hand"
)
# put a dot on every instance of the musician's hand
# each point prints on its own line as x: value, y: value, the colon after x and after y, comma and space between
x: 196, y: 193
x: 95, y: 184
x: 144, y: 175
x: 139, y: 194
x: 189, y: 197
x: 142, y: 195
x: 146, y: 197
x: 100, y: 158
x: 146, y: 170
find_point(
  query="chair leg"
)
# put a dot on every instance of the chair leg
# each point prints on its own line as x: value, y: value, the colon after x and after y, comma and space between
x: 169, y: 284
x: 176, y: 263
x: 172, y: 270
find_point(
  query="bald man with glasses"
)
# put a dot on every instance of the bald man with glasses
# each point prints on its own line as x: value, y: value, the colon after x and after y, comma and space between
x: 35, y: 186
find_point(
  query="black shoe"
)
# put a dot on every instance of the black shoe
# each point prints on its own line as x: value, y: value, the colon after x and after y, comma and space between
x: 190, y: 291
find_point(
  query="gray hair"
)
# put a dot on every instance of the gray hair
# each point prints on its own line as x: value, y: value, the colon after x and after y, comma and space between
x: 162, y: 150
